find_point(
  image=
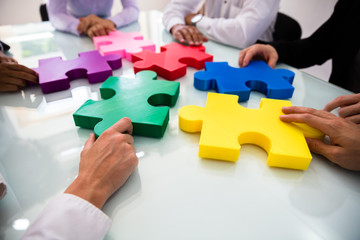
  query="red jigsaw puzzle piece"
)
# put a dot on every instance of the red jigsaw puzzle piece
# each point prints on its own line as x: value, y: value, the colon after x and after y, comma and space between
x: 55, y: 73
x: 171, y: 62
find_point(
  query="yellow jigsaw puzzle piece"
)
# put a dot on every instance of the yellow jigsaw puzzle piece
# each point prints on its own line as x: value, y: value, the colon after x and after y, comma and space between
x: 225, y: 125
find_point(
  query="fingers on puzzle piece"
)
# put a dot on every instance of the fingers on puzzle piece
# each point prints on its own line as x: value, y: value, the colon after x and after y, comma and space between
x: 143, y: 99
x: 172, y: 61
x: 257, y: 76
x: 225, y: 125
x: 55, y: 73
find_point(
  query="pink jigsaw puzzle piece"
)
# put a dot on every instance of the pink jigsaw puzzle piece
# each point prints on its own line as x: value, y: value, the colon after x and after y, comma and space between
x: 171, y: 62
x: 55, y: 73
x: 124, y: 44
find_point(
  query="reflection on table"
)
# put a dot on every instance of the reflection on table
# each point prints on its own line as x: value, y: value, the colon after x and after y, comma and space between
x: 173, y: 194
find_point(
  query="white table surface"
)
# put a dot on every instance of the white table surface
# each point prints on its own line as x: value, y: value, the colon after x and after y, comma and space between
x: 173, y: 193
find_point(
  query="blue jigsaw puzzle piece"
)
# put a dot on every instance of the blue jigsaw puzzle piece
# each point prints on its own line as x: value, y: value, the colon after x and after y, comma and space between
x: 258, y: 76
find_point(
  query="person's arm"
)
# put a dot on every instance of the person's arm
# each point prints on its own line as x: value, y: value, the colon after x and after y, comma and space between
x: 69, y: 217
x: 252, y: 20
x: 129, y: 13
x: 344, y: 147
x: 60, y: 18
x: 176, y: 11
x: 317, y: 48
x: 174, y: 21
x: 300, y: 53
x: 307, y: 52
x: 105, y: 165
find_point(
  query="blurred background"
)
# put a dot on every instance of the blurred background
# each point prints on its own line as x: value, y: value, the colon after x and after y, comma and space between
x: 309, y: 13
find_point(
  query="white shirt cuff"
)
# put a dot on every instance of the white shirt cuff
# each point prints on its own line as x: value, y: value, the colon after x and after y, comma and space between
x: 69, y: 217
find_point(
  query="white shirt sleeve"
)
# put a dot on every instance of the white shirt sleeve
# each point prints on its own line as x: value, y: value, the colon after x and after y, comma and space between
x: 60, y: 18
x: 250, y: 23
x: 69, y: 217
x: 238, y: 23
x: 176, y: 11
x: 129, y: 13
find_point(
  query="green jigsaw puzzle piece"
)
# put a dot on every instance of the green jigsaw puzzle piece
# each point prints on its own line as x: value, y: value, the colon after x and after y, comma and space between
x: 137, y: 98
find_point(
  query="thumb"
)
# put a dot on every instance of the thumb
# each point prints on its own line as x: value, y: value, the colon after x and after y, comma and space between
x: 88, y: 144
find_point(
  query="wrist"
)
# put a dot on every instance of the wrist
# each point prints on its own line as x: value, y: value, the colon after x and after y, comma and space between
x: 111, y: 23
x: 89, y: 191
x: 195, y: 19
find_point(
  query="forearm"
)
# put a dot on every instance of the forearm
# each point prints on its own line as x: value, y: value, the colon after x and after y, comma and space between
x: 129, y: 14
x: 303, y: 53
x: 315, y: 49
x: 176, y: 11
x: 69, y: 217
x: 245, y: 28
x: 60, y: 18
x: 87, y: 190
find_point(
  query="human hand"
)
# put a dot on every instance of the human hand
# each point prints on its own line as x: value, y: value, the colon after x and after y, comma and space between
x: 258, y: 52
x: 344, y: 135
x: 349, y: 107
x: 89, y: 21
x: 14, y: 76
x: 100, y: 29
x: 188, y: 34
x: 105, y: 164
x: 86, y: 23
x: 4, y: 58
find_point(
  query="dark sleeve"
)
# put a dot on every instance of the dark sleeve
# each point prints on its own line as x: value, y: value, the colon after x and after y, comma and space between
x: 5, y: 46
x: 315, y: 49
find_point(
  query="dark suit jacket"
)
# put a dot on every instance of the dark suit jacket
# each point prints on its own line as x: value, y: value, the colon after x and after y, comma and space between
x: 5, y: 46
x: 337, y: 39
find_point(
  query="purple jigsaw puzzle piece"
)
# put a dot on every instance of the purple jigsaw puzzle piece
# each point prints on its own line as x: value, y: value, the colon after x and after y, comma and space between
x: 55, y: 73
x: 274, y: 83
